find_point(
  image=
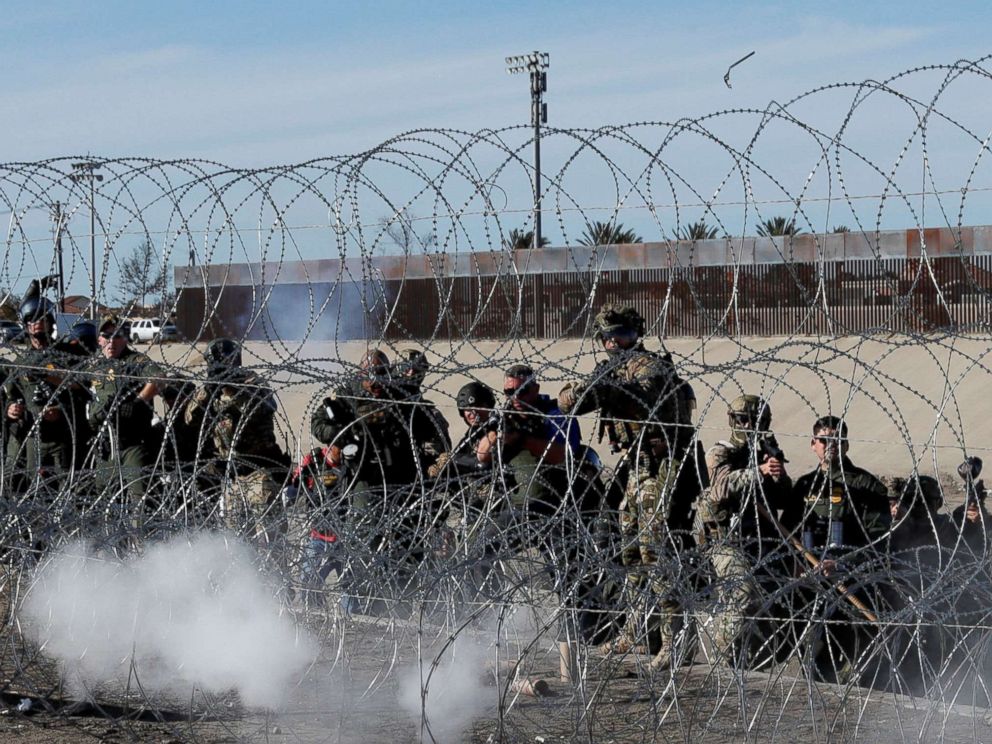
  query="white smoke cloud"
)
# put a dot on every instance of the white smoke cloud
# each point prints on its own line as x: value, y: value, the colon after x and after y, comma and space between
x: 189, y: 612
x: 457, y: 692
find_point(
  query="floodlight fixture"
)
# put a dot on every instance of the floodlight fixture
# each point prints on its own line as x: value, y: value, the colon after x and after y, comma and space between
x: 536, y: 65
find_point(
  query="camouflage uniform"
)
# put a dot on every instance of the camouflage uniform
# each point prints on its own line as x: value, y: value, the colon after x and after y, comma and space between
x: 637, y: 393
x: 740, y: 541
x: 237, y: 410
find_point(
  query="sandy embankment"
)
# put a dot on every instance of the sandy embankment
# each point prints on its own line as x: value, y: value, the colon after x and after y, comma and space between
x: 904, y: 399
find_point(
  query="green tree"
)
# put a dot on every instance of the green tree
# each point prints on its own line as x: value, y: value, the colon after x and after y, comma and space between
x: 697, y: 231
x: 840, y: 229
x: 520, y: 240
x: 608, y: 233
x: 778, y: 226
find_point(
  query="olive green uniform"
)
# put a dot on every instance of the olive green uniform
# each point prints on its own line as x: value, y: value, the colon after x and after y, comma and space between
x: 123, y: 439
x: 842, y: 514
x: 44, y: 379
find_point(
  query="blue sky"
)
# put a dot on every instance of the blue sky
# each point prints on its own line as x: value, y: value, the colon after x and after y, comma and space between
x: 259, y: 84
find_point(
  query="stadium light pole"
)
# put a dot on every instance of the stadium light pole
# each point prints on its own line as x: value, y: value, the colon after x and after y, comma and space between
x: 86, y: 171
x: 536, y: 64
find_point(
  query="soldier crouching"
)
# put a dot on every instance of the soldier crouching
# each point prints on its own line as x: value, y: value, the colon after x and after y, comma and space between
x: 738, y: 515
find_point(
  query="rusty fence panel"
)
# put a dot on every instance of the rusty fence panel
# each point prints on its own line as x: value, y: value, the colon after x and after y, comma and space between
x: 853, y: 296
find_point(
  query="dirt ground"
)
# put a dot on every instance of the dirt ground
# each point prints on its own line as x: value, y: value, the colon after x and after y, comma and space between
x: 909, y: 403
x: 352, y: 693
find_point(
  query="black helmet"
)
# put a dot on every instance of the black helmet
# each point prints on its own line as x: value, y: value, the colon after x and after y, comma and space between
x: 83, y: 332
x: 222, y: 354
x: 475, y: 395
x: 36, y: 308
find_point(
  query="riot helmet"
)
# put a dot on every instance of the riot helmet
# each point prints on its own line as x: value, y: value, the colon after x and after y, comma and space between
x: 83, y: 333
x: 36, y: 308
x: 475, y: 395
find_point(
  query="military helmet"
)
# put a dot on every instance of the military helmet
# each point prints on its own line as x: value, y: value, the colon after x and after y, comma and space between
x: 84, y: 333
x: 750, y: 409
x: 36, y: 308
x: 616, y: 319
x: 475, y: 395
x: 221, y: 354
x: 413, y: 365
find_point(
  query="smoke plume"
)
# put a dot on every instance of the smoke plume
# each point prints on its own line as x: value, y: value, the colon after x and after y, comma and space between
x: 189, y: 612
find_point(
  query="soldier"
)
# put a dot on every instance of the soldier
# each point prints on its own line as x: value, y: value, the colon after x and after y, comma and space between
x: 837, y: 506
x: 748, y: 485
x: 44, y: 403
x: 842, y: 514
x: 124, y: 383
x: 397, y: 442
x: 409, y: 374
x: 530, y: 422
x: 914, y: 507
x: 972, y: 521
x: 525, y: 439
x: 476, y: 403
x: 45, y: 430
x: 642, y: 404
x: 237, y: 410
x: 919, y: 557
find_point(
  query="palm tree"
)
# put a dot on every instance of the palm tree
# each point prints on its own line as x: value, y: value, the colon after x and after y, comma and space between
x: 841, y: 229
x: 777, y: 226
x: 608, y: 233
x: 697, y: 231
x: 519, y: 240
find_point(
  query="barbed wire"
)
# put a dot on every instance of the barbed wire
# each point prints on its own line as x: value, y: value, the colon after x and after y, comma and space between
x: 444, y: 495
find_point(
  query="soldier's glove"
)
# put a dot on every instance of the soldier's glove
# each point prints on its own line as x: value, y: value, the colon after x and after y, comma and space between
x: 435, y: 470
x: 201, y: 396
x: 568, y: 397
x: 494, y: 423
x: 127, y: 409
